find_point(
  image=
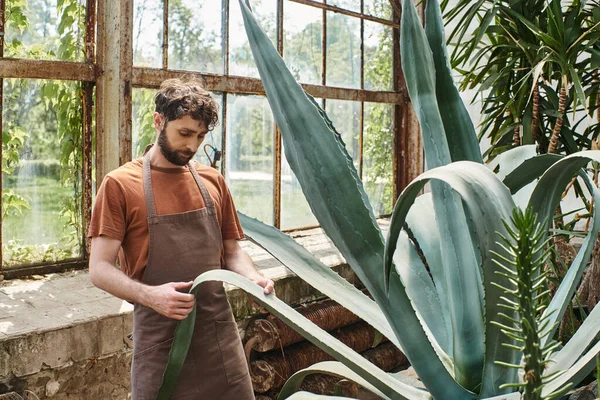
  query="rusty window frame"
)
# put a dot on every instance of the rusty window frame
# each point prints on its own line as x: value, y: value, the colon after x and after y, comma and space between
x: 407, y: 157
x: 143, y: 77
x: 84, y: 72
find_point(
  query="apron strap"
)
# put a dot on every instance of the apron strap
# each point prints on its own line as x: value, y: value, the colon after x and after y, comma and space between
x: 208, y: 201
x: 148, y: 194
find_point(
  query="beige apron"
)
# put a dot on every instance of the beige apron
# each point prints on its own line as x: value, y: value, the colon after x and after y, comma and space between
x: 182, y: 246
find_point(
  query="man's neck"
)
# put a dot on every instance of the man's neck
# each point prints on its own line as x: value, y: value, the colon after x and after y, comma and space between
x: 157, y: 159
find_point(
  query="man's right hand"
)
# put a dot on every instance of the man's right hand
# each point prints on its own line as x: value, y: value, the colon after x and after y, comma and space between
x: 167, y: 299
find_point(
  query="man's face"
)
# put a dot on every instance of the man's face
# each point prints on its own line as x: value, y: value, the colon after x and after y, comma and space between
x: 180, y: 139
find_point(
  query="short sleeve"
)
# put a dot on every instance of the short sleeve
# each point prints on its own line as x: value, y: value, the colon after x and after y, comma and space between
x: 231, y: 228
x: 109, y: 213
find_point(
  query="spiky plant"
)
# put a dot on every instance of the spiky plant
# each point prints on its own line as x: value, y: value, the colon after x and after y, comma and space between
x: 528, y: 252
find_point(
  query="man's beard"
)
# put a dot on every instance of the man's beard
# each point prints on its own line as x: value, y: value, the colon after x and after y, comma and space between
x: 177, y: 157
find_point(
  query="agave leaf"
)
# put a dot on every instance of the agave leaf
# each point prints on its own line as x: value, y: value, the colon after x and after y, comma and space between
x: 586, y: 334
x: 321, y: 163
x: 421, y: 291
x: 507, y: 162
x: 419, y: 71
x: 529, y: 170
x: 576, y: 373
x: 458, y: 126
x: 544, y: 200
x: 312, y: 396
x: 420, y: 219
x: 333, y: 368
x: 459, y: 253
x: 383, y: 382
x: 488, y: 202
x: 318, y: 275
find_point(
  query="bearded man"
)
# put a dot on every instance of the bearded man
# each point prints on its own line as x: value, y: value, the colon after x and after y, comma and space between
x: 169, y: 219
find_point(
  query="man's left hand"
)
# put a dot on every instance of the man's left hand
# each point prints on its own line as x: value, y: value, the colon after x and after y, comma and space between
x: 266, y: 284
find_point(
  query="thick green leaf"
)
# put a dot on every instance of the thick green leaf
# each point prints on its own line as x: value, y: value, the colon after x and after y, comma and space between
x: 488, y: 202
x: 459, y: 255
x: 321, y: 163
x: 459, y: 129
x: 420, y: 219
x: 389, y: 386
x: 544, y: 200
x: 179, y: 349
x: 576, y: 373
x: 316, y: 274
x: 419, y: 72
x: 333, y: 368
x: 312, y: 396
x: 421, y: 291
x: 530, y: 170
x: 507, y: 162
x: 586, y: 335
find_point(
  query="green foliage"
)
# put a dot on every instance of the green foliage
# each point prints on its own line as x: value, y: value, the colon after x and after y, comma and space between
x: 518, y: 46
x: 56, y: 106
x: 13, y: 203
x: 143, y: 102
x: 524, y: 268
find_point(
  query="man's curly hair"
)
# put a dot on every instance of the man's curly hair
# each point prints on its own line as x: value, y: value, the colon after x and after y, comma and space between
x: 177, y: 98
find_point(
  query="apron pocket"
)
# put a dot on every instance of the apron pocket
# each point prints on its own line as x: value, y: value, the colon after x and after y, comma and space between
x: 149, y: 365
x: 230, y: 345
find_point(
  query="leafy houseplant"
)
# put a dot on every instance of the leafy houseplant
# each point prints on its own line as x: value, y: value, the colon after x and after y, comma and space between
x: 536, y: 63
x: 443, y: 319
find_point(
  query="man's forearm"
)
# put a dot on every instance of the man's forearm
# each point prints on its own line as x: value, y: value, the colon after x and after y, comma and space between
x: 240, y: 262
x: 112, y: 280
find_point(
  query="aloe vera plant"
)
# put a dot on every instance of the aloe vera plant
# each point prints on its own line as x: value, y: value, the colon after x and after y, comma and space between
x: 444, y: 318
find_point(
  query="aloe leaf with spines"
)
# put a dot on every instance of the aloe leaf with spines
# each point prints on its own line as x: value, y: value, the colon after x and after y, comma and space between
x: 527, y: 256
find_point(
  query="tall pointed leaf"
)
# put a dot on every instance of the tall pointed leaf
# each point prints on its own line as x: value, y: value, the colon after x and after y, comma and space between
x: 488, y: 202
x: 320, y: 162
x: 458, y: 250
x: 318, y: 275
x: 460, y: 132
x: 529, y: 171
x: 333, y: 368
x: 383, y: 382
x: 544, y: 200
x: 420, y: 219
x: 586, y: 334
x: 421, y: 291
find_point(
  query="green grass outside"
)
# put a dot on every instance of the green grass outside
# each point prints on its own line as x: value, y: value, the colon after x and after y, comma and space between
x: 37, y: 234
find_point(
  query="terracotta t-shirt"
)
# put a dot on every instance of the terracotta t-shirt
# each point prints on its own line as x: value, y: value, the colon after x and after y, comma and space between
x: 120, y: 208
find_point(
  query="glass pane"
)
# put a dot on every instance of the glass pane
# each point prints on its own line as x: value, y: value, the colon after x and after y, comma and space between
x: 39, y: 29
x: 295, y: 211
x: 303, y: 31
x: 378, y: 147
x: 379, y: 8
x: 195, y: 40
x: 343, y: 50
x: 214, y: 140
x: 378, y: 56
x: 345, y: 116
x: 241, y: 62
x: 352, y: 5
x: 147, y: 33
x: 249, y: 173
x: 41, y: 166
x: 142, y: 125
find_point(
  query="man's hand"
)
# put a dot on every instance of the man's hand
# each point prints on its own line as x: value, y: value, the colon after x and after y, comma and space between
x: 167, y: 300
x: 265, y: 283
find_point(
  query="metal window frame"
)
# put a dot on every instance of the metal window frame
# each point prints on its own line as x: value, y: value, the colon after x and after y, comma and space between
x: 108, y: 69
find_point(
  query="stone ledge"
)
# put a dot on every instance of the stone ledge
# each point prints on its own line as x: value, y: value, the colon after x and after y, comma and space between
x: 63, y: 323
